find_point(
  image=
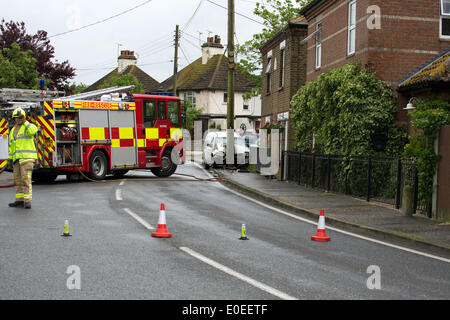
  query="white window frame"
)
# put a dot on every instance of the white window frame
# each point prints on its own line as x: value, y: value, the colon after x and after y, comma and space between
x: 319, y: 45
x: 351, y: 42
x: 446, y: 16
x: 190, y: 96
x: 246, y: 104
x: 268, y: 75
x: 282, y: 66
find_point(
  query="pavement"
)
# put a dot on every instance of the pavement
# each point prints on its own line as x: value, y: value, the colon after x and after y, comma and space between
x: 372, y: 219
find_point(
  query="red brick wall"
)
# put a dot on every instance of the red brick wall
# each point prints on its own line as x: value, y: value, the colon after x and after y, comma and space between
x: 278, y: 99
x: 409, y: 36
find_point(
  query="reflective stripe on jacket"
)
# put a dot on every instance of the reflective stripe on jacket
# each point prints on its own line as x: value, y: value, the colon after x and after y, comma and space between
x: 23, y: 147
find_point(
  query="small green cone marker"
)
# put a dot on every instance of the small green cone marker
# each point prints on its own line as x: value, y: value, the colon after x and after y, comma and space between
x: 243, y: 233
x: 66, y: 229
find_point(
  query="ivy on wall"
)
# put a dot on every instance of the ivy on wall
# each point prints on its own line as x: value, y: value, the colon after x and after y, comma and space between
x: 343, y: 108
x: 427, y: 119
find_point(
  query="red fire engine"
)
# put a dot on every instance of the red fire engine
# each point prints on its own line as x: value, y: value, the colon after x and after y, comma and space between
x: 107, y: 131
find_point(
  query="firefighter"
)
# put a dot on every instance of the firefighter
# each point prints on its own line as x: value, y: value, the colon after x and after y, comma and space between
x: 21, y: 157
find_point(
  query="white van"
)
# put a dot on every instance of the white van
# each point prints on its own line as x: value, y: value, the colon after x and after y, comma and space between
x: 214, y: 149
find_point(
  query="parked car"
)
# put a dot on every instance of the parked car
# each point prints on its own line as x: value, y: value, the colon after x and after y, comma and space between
x: 214, y: 149
x: 251, y: 140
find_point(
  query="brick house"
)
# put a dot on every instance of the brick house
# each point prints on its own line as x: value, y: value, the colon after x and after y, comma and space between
x: 390, y: 37
x: 284, y: 72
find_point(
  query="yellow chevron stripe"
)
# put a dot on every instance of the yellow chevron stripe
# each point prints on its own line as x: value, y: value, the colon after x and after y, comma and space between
x: 48, y: 126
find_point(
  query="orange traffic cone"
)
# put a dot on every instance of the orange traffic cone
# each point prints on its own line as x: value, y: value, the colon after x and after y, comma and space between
x: 161, y: 230
x: 321, y: 235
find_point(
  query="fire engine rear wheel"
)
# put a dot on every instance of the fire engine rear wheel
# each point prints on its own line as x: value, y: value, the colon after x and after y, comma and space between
x: 97, y: 165
x: 167, y: 166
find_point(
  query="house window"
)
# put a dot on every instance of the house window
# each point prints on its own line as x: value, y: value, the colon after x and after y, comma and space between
x: 445, y: 19
x: 351, y: 27
x: 268, y: 68
x: 245, y: 106
x: 282, y: 58
x: 190, y: 97
x: 225, y: 97
x: 319, y: 45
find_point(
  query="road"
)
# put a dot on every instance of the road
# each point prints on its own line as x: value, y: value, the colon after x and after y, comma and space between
x: 116, y: 258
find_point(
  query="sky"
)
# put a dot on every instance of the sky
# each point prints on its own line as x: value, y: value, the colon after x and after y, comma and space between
x: 148, y: 30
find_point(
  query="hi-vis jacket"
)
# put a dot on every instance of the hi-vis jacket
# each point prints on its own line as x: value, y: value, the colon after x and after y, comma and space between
x: 23, y: 147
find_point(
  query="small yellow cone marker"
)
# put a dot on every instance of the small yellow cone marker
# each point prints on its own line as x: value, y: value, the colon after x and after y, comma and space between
x: 243, y: 233
x: 66, y: 229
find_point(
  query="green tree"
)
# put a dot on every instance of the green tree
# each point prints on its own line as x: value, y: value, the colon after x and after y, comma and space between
x: 75, y: 88
x: 123, y: 80
x: 17, y: 68
x: 275, y: 15
x: 190, y: 114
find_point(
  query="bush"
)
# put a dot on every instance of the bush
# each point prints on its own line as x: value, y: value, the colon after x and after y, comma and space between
x: 343, y: 108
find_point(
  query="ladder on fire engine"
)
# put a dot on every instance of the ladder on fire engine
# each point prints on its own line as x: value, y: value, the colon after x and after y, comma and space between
x: 8, y: 95
x: 98, y: 93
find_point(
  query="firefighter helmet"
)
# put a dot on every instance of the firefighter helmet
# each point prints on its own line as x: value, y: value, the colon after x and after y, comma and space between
x: 18, y: 113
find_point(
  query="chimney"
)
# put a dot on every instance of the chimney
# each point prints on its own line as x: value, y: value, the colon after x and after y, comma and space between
x: 126, y: 58
x: 211, y: 48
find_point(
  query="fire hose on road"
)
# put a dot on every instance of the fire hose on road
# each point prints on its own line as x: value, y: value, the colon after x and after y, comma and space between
x: 8, y: 184
x: 192, y: 178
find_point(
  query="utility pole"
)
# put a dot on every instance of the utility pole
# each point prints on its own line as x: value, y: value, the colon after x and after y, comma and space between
x: 175, y: 62
x: 230, y: 92
x: 231, y: 66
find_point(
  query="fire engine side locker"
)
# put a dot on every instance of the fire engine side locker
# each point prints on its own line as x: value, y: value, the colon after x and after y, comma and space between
x: 114, y: 129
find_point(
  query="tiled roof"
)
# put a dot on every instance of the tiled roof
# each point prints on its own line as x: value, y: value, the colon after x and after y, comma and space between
x: 148, y: 83
x: 436, y: 69
x: 212, y: 75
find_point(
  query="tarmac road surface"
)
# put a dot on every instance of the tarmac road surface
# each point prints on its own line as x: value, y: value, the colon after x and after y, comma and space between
x: 111, y: 254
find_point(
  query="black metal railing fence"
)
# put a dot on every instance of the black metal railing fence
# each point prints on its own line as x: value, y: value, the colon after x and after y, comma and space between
x: 383, y: 179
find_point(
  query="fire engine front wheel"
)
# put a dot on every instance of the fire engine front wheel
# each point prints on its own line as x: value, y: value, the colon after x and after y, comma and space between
x: 167, y: 166
x: 97, y: 165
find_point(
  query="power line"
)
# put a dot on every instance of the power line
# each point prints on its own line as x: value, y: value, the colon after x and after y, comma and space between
x: 239, y: 14
x: 184, y: 54
x: 193, y: 15
x: 101, y: 21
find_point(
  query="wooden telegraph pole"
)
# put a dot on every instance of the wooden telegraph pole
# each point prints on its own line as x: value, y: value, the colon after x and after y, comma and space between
x: 175, y: 62
x: 231, y: 66
x: 230, y: 93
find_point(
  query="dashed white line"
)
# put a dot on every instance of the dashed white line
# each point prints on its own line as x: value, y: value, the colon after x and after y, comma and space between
x: 238, y: 275
x: 119, y: 195
x: 139, y: 219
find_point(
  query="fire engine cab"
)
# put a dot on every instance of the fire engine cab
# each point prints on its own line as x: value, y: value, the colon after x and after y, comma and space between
x: 107, y: 131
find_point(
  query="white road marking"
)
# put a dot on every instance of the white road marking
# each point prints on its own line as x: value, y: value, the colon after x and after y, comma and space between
x: 139, y: 219
x: 238, y: 275
x: 341, y: 231
x: 332, y: 228
x: 122, y: 183
x: 119, y: 195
